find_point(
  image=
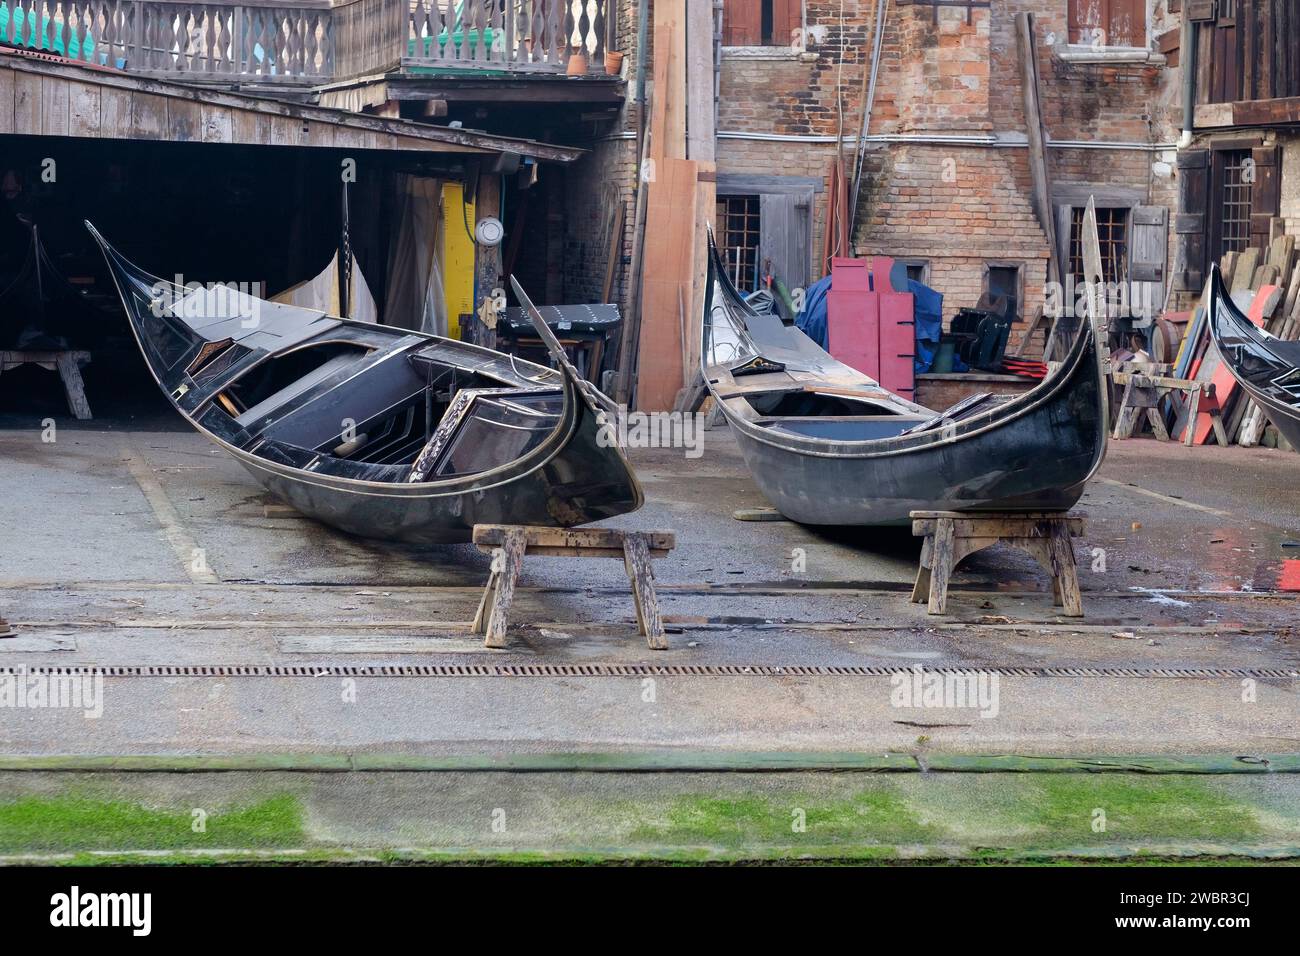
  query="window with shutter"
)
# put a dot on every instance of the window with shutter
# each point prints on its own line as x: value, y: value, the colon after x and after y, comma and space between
x: 1108, y: 22
x: 761, y: 22
x: 742, y: 22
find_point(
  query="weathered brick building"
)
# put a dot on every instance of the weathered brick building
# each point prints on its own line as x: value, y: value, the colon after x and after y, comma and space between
x: 947, y: 184
x: 1240, y: 171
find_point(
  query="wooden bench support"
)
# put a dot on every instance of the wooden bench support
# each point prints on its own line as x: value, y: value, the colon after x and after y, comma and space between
x: 5, y: 629
x: 66, y: 363
x: 509, y: 543
x: 1142, y: 395
x: 952, y: 536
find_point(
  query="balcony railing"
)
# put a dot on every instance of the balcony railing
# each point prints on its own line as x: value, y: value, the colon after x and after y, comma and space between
x: 513, y: 35
x: 303, y: 41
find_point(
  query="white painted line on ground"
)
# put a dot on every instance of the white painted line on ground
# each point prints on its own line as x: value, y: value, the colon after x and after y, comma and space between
x: 1168, y: 499
x: 37, y: 643
x: 185, y: 547
x: 343, y: 644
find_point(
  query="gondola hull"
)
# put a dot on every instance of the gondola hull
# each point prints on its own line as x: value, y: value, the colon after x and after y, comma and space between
x: 1267, y: 368
x: 578, y: 485
x: 1014, y: 469
x: 363, y: 386
x: 876, y: 457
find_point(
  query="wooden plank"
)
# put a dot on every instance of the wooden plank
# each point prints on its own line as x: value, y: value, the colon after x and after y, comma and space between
x: 489, y: 536
x: 70, y: 373
x: 54, y: 107
x: 184, y: 121
x: 641, y: 575
x: 318, y: 134
x: 1209, y: 422
x: 114, y: 113
x: 1042, y: 187
x: 216, y: 123
x: 27, y: 104
x: 997, y: 524
x: 1274, y: 112
x: 148, y: 116
x: 666, y: 286
x: 84, y: 109
x: 1244, y: 273
x: 6, y: 101
x: 670, y: 81
x: 506, y: 563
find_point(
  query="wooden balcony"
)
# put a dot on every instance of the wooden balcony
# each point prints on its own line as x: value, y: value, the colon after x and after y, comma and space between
x: 1248, y: 62
x: 516, y: 36
x: 312, y: 42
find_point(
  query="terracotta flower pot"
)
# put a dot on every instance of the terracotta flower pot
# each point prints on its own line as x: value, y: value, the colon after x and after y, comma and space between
x: 577, y: 62
x: 613, y: 62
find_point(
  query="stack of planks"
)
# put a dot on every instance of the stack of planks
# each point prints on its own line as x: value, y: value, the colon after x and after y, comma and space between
x: 1272, y: 277
x: 1275, y: 274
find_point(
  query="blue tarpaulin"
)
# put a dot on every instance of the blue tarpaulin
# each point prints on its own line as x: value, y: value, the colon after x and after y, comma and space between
x: 927, y: 314
x: 812, y: 320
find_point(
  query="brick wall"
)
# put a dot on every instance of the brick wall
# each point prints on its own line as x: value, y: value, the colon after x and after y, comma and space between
x: 943, y: 73
x: 594, y: 186
x: 958, y: 209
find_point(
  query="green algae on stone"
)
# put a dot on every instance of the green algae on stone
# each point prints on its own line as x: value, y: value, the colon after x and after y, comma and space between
x: 69, y: 822
x: 1084, y: 808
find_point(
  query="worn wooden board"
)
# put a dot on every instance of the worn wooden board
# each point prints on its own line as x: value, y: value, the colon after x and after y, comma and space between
x: 666, y: 286
x: 577, y: 542
x: 56, y: 98
x: 1224, y: 383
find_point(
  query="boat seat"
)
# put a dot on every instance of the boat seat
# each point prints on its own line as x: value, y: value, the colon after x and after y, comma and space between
x: 458, y: 414
x: 843, y: 427
x: 295, y: 388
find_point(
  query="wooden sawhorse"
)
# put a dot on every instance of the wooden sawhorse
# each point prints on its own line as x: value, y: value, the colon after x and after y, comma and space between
x: 951, y: 536
x: 1142, y: 393
x: 66, y: 363
x: 508, y: 543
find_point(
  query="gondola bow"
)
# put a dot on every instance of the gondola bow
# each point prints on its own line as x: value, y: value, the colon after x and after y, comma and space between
x: 827, y: 445
x: 380, y: 432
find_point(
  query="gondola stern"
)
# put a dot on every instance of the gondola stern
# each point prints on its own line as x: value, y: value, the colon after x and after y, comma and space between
x: 592, y: 402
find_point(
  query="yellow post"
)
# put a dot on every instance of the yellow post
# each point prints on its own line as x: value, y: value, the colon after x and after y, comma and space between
x: 457, y: 255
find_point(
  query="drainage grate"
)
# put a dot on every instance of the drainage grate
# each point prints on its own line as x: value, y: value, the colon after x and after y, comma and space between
x: 635, y: 670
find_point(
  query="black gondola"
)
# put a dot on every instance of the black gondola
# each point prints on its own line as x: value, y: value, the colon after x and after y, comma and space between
x: 379, y: 431
x: 829, y: 446
x: 1265, y: 366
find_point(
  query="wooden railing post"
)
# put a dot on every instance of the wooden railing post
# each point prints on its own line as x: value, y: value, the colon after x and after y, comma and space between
x: 136, y: 57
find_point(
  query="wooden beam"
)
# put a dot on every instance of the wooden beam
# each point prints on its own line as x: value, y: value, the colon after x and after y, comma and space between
x: 1272, y: 112
x: 42, y: 97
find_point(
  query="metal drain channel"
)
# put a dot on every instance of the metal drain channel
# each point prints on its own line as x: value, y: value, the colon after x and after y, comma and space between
x: 633, y: 670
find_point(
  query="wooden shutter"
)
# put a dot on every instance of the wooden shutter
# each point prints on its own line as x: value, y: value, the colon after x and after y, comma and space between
x: 783, y: 236
x: 1148, y: 245
x: 1148, y: 242
x: 1122, y: 22
x: 1189, y: 226
x: 1265, y: 194
x: 1127, y: 23
x: 742, y: 22
x: 787, y: 19
x: 1085, y: 15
